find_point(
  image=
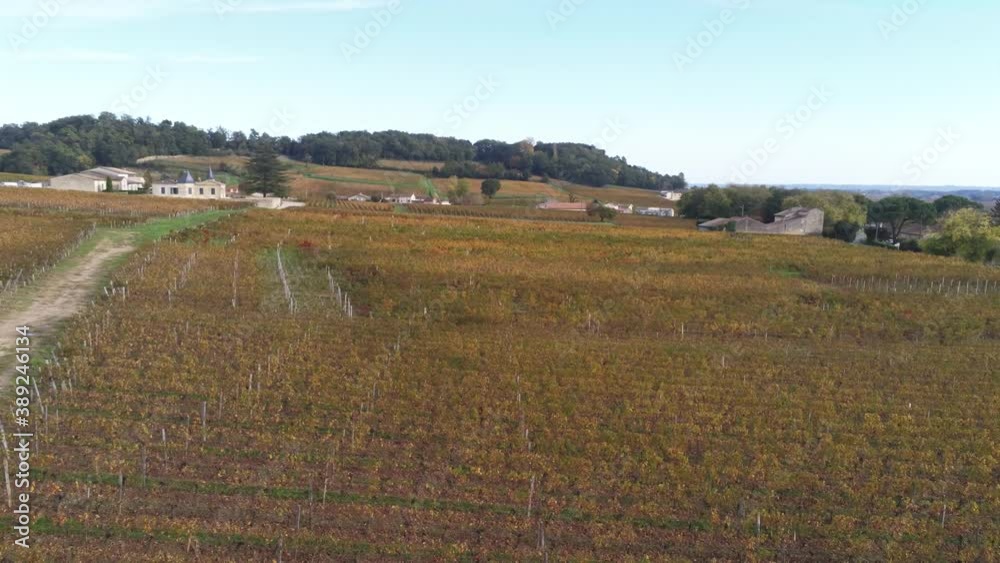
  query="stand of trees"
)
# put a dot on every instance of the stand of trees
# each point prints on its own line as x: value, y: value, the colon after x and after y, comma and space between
x: 76, y: 143
x: 966, y: 228
x: 968, y: 233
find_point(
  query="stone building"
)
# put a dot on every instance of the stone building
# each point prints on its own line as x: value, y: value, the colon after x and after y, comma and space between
x: 797, y: 221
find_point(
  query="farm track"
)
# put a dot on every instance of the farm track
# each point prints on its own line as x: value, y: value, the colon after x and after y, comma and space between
x: 56, y: 297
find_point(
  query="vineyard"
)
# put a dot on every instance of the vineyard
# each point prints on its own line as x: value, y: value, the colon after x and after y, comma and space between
x: 31, y: 244
x: 41, y: 228
x: 105, y: 208
x: 355, y: 384
x: 497, y: 211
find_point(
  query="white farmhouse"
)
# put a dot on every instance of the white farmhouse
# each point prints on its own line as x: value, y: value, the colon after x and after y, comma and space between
x: 96, y: 180
x: 186, y: 187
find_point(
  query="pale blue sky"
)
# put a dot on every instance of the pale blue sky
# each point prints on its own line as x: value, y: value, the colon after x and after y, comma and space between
x: 606, y: 72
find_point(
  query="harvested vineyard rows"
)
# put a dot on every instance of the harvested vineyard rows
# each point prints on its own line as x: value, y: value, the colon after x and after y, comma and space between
x: 520, y: 390
x: 105, y: 206
x: 31, y: 243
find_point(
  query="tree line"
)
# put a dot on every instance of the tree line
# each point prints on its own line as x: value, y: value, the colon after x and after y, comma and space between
x: 76, y: 143
x: 961, y: 227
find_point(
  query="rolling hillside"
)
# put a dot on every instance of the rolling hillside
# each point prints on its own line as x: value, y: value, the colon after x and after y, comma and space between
x: 316, y: 182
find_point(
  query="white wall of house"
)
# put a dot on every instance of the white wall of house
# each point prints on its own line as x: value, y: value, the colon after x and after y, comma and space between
x: 95, y: 180
x: 204, y: 190
x: 77, y: 183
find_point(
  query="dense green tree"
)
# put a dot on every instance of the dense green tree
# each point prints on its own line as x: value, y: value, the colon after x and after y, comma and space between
x: 459, y: 191
x: 601, y: 211
x: 748, y: 201
x: 846, y: 231
x: 491, y: 187
x: 75, y: 143
x: 265, y: 173
x: 949, y: 203
x: 996, y: 213
x: 967, y: 233
x: 897, y: 212
x: 706, y: 203
x: 147, y: 182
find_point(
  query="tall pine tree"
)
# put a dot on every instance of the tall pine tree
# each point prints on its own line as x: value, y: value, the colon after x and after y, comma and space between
x: 265, y: 173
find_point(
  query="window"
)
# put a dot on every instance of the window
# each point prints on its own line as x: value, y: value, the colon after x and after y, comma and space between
x: 213, y: 191
x: 201, y: 191
x: 173, y: 191
x: 189, y: 191
x: 163, y: 191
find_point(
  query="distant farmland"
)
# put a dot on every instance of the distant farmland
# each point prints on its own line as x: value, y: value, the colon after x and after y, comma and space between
x: 314, y: 181
x: 510, y: 189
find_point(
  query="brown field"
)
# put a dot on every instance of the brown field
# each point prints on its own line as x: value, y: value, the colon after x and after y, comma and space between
x: 616, y: 194
x: 387, y: 177
x: 312, y: 188
x: 656, y: 222
x: 510, y: 189
x: 414, y: 165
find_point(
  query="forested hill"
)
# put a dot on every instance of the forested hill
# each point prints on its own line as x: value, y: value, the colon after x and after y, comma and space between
x: 80, y: 142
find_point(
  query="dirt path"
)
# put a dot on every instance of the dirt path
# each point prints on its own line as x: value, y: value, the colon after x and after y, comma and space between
x: 55, y: 298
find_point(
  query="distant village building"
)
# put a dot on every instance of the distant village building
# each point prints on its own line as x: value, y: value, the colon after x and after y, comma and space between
x: 563, y: 206
x: 404, y: 199
x: 672, y: 195
x: 797, y: 221
x: 187, y: 187
x: 656, y: 211
x: 96, y: 180
x: 621, y: 208
x: 359, y: 198
x: 22, y: 184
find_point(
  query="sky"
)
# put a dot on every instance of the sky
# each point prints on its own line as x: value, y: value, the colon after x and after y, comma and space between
x: 897, y: 92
